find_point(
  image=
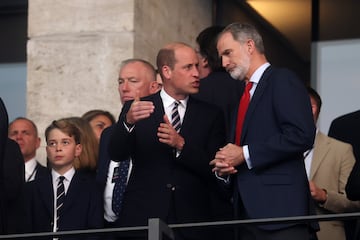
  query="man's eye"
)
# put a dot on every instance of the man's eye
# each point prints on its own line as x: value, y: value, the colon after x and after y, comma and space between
x: 65, y: 142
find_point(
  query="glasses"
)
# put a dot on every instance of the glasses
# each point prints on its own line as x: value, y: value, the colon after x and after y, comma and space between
x: 62, y: 143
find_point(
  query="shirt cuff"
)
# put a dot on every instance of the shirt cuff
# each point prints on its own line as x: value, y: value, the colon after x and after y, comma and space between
x: 247, y: 156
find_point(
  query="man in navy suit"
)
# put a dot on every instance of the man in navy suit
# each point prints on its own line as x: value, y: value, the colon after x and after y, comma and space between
x: 266, y: 164
x: 171, y: 178
x: 136, y: 76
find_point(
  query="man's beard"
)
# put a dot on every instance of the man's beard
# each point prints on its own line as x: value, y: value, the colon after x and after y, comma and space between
x: 239, y: 72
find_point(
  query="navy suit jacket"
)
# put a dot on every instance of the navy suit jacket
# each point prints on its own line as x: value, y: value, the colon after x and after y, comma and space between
x: 83, y: 206
x: 161, y: 185
x: 104, y: 158
x: 278, y: 128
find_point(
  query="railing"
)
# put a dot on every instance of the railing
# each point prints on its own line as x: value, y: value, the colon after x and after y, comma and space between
x: 157, y: 228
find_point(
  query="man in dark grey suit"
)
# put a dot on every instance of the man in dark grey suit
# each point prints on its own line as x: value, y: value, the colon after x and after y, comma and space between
x: 171, y: 177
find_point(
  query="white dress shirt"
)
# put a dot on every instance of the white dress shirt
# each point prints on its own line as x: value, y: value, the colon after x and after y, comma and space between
x: 30, y: 170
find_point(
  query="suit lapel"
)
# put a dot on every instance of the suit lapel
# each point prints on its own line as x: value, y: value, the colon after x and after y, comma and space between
x: 46, y: 192
x: 322, y: 147
x: 159, y: 108
x: 260, y: 88
x: 74, y: 191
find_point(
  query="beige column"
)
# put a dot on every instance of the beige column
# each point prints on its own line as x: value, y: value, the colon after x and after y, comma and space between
x: 75, y: 48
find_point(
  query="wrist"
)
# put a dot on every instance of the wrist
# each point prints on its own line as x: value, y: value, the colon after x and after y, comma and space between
x: 180, y: 144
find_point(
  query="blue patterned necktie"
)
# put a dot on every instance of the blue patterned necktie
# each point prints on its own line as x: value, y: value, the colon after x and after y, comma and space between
x: 60, y: 199
x: 175, y: 117
x: 120, y: 176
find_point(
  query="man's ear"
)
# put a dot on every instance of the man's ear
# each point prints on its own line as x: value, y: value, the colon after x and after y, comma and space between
x: 166, y: 71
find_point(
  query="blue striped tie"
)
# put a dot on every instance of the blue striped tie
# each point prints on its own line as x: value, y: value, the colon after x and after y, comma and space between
x: 175, y: 117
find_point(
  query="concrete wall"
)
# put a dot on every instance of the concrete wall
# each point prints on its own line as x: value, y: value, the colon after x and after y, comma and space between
x: 75, y: 48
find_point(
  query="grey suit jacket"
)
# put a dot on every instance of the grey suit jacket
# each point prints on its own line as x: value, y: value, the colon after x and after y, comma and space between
x: 330, y: 168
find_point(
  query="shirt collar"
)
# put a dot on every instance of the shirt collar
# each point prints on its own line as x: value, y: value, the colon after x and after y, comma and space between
x: 168, y: 100
x: 68, y: 175
x: 255, y: 78
x: 30, y: 165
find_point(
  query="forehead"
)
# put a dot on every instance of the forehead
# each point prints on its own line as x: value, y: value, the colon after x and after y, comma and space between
x: 132, y: 69
x: 22, y: 123
x: 57, y: 134
x: 226, y: 40
x: 185, y: 55
x: 101, y: 118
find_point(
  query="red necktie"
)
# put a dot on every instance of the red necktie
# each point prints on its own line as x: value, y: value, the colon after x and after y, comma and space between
x: 243, y: 106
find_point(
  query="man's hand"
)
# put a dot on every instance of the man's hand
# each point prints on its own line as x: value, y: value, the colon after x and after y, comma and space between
x: 139, y: 110
x: 318, y: 194
x: 227, y: 158
x: 168, y: 135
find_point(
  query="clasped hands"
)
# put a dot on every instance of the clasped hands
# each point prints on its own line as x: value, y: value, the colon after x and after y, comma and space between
x: 167, y: 134
x: 226, y: 159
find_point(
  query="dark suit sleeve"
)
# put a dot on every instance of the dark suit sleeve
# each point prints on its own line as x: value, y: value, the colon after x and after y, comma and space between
x: 215, y: 138
x: 14, y: 181
x: 120, y: 136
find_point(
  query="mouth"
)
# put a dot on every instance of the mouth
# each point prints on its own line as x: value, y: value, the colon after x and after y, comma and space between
x: 58, y: 157
x: 127, y: 98
x: 196, y: 84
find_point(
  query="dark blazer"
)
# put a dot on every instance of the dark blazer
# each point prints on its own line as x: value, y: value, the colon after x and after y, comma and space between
x: 161, y: 185
x: 221, y: 89
x: 344, y: 128
x: 14, y: 172
x: 83, y: 207
x: 278, y: 128
x: 11, y: 179
x: 40, y: 171
x: 104, y: 158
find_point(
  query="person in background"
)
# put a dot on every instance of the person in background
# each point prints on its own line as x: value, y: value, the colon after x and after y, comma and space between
x: 12, y: 174
x: 329, y: 157
x: 65, y: 199
x: 273, y: 128
x: 25, y: 133
x: 216, y: 85
x: 136, y: 76
x: 99, y: 120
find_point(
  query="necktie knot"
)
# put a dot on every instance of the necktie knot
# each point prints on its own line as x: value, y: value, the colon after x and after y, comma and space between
x: 248, y: 86
x: 61, y: 179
